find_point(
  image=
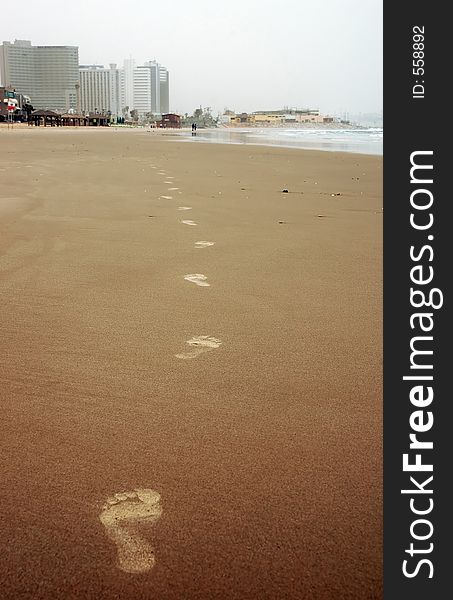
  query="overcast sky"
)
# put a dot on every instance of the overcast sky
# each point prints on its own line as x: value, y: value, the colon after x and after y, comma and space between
x: 243, y: 54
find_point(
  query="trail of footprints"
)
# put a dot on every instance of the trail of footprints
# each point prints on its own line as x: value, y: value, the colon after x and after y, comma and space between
x: 128, y: 517
x: 201, y: 343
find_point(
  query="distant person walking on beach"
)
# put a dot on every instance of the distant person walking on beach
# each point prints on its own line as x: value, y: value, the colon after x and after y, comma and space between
x: 194, y: 129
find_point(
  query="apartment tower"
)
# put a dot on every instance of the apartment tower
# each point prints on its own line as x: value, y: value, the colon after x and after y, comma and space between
x: 100, y: 89
x: 47, y: 74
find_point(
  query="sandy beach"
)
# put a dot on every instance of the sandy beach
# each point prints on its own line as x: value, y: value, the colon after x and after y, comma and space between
x: 172, y: 322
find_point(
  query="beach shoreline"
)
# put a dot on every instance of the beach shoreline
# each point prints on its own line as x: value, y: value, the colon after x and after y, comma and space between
x: 328, y: 138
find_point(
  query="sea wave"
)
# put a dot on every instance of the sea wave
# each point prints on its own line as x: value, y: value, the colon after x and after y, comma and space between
x: 367, y: 140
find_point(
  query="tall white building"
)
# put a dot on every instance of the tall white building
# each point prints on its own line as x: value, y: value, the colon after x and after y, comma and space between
x: 144, y: 88
x: 142, y: 98
x: 127, y: 84
x: 100, y: 89
x: 47, y: 74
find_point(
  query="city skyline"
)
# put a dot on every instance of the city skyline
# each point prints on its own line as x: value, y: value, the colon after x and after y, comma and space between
x: 52, y: 78
x: 113, y: 89
x: 244, y: 57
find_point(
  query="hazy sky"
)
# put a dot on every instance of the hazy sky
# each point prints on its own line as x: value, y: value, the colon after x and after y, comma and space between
x: 243, y: 54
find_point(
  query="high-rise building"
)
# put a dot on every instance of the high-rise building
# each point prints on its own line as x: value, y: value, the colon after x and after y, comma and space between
x: 153, y: 67
x: 47, y: 74
x: 17, y: 66
x: 127, y: 84
x: 100, y: 89
x: 164, y: 90
x: 51, y: 77
x: 142, y: 99
x: 144, y: 88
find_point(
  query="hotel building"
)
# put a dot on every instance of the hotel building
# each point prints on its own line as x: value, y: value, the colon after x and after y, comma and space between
x: 47, y: 74
x: 100, y: 89
x: 145, y: 88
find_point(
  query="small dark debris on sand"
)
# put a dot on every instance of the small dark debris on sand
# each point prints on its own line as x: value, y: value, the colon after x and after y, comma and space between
x: 288, y: 192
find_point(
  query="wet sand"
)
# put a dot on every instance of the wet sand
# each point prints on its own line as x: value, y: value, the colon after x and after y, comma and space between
x: 265, y: 444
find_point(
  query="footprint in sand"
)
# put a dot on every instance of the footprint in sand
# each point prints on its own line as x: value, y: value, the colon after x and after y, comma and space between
x: 167, y: 197
x: 172, y: 189
x: 200, y: 344
x: 198, y: 279
x: 168, y: 181
x: 161, y: 173
x: 184, y: 208
x: 187, y: 222
x: 203, y: 244
x: 125, y: 517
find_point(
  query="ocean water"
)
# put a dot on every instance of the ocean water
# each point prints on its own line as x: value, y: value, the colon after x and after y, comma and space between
x: 362, y: 140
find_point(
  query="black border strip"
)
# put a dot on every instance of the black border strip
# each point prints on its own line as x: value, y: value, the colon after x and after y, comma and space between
x: 413, y: 123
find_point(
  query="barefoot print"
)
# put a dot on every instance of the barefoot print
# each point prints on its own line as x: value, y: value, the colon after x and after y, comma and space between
x: 199, y: 345
x: 198, y: 279
x: 126, y: 517
x: 203, y: 244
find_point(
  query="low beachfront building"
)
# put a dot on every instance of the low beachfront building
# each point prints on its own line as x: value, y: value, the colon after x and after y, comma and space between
x: 98, y: 120
x: 287, y: 116
x: 47, y: 118
x: 7, y: 98
x: 13, y: 105
x: 310, y: 118
x: 73, y: 120
x: 242, y: 119
x: 266, y: 118
x: 170, y: 121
